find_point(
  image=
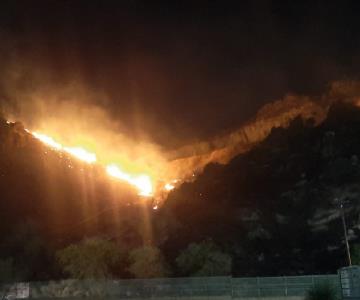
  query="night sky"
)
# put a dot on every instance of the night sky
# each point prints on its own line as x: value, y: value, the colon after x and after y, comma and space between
x: 188, y: 69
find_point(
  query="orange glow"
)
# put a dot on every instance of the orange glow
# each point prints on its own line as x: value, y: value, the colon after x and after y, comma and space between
x: 81, y: 154
x: 141, y: 182
x: 169, y: 187
x: 147, y: 183
x: 47, y: 140
x: 77, y: 152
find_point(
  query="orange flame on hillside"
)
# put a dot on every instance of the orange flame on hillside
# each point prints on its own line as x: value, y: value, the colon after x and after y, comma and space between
x: 141, y: 182
x: 77, y: 152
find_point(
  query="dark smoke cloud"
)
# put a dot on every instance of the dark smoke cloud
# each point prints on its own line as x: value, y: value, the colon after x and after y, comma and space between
x: 174, y: 74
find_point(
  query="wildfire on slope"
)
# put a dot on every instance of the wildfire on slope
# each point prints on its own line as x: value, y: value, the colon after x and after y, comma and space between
x: 142, y: 182
x: 78, y: 152
x: 171, y: 185
x: 152, y: 171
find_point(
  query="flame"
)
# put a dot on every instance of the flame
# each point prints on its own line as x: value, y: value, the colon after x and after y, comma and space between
x: 142, y: 182
x: 47, y: 140
x: 169, y: 186
x: 78, y: 152
x: 81, y: 154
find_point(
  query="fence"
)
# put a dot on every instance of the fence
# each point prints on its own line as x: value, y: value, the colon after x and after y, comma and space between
x: 294, y: 287
x: 280, y: 286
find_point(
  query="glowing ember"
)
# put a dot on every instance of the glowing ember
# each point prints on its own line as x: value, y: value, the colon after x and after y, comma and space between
x: 142, y: 182
x: 169, y: 187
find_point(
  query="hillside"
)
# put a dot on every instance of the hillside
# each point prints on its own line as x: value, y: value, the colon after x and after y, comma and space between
x: 223, y: 148
x: 50, y: 199
x: 274, y: 209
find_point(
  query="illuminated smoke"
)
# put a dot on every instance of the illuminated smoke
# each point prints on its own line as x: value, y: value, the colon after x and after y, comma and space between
x: 149, y: 170
x: 193, y: 158
x: 90, y: 135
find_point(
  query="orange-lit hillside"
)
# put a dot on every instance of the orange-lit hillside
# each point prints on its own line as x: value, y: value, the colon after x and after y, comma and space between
x: 142, y: 182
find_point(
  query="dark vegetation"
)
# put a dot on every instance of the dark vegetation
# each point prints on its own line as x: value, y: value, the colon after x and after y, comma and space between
x: 323, y: 291
x: 271, y: 211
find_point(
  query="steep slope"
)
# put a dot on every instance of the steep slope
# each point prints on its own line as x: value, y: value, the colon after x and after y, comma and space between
x: 276, y: 208
x: 67, y: 198
x: 279, y: 114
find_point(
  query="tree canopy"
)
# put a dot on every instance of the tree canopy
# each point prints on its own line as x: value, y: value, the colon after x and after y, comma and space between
x: 204, y: 259
x: 148, y: 262
x: 91, y: 258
